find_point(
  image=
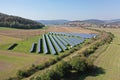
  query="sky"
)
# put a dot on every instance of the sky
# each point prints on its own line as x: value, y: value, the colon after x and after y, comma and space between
x: 62, y: 9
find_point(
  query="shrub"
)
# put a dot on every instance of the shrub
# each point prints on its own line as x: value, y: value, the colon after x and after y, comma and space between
x: 21, y: 74
x: 78, y: 63
x: 89, y: 61
x: 62, y: 68
x: 52, y: 61
x: 59, y: 70
x: 12, y: 78
x: 86, y: 52
x: 40, y: 67
x: 57, y: 58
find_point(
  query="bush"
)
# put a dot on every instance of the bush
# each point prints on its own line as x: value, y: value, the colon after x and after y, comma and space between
x: 90, y: 51
x: 12, y: 78
x: 57, y: 58
x: 62, y: 68
x: 89, y: 62
x: 78, y: 63
x: 26, y: 73
x: 21, y: 74
x: 56, y: 73
x: 40, y: 67
x: 52, y: 61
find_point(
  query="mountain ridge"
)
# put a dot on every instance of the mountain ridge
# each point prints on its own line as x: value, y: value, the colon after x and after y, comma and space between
x: 92, y: 21
x: 95, y: 23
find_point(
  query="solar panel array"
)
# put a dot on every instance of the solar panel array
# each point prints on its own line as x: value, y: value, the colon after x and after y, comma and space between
x: 57, y: 42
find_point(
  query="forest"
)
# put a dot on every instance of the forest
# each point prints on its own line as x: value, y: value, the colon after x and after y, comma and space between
x: 18, y: 22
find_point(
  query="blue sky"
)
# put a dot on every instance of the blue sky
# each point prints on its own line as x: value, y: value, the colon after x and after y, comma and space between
x: 62, y: 9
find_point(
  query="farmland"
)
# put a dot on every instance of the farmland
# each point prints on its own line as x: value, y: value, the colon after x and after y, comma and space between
x: 11, y: 61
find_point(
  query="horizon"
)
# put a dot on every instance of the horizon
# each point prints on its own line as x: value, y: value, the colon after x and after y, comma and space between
x: 62, y: 10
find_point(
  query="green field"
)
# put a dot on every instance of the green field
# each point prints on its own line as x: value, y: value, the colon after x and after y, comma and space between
x: 109, y: 60
x: 5, y: 28
x: 23, y: 45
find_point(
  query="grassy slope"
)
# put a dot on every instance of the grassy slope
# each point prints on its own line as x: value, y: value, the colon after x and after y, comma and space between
x: 109, y: 60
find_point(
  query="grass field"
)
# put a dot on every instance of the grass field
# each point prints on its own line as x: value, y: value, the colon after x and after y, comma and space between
x: 5, y: 28
x: 11, y: 62
x: 109, y: 60
x: 23, y: 45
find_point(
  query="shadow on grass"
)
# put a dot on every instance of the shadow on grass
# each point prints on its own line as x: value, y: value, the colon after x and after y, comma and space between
x: 96, y: 71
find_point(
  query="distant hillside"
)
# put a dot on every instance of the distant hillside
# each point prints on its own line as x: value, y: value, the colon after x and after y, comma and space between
x: 95, y: 23
x: 18, y: 22
x: 112, y: 21
x: 115, y: 23
x: 53, y: 22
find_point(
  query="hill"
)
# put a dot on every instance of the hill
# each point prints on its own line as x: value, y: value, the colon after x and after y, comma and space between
x: 95, y: 23
x: 53, y: 22
x: 113, y: 20
x: 18, y: 22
